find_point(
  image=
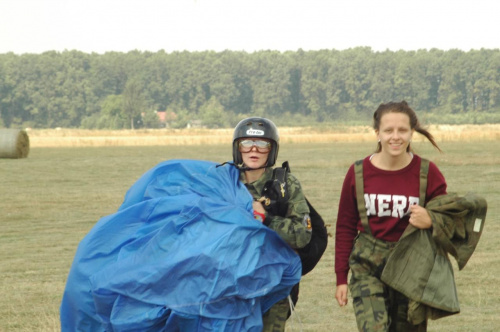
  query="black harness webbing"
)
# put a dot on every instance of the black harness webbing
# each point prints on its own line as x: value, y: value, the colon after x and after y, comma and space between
x: 277, y: 195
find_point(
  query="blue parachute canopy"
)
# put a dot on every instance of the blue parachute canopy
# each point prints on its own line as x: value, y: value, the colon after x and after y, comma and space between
x: 182, y: 253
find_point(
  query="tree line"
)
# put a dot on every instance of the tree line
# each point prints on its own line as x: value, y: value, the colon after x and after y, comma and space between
x: 116, y: 90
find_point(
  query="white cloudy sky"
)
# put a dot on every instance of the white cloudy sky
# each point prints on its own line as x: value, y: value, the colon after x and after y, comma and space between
x: 35, y: 26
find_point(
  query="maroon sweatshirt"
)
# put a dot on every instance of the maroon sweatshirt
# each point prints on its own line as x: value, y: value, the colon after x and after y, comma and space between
x: 389, y: 195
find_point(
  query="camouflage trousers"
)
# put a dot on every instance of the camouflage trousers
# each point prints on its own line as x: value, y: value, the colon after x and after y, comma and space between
x: 377, y: 306
x: 275, y: 318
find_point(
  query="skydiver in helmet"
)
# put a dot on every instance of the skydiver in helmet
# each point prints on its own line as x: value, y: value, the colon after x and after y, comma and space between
x: 255, y: 150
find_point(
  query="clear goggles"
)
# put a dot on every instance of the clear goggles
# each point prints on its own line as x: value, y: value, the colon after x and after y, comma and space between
x: 262, y: 146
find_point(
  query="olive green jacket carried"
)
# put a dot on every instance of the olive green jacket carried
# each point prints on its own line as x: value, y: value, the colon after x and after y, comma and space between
x: 419, y: 266
x: 294, y: 227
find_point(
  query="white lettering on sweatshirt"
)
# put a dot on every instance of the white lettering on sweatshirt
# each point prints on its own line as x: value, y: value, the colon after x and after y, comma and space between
x: 380, y: 205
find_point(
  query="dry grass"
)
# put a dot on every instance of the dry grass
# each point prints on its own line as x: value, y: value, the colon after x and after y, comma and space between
x: 152, y: 137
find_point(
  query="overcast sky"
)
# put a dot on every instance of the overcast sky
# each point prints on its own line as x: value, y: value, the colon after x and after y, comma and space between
x: 36, y: 26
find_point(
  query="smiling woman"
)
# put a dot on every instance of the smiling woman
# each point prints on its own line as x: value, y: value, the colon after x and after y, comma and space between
x: 394, y: 124
x: 382, y: 196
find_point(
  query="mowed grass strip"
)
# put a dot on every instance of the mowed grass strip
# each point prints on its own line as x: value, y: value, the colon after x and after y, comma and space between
x: 50, y: 200
x: 200, y: 136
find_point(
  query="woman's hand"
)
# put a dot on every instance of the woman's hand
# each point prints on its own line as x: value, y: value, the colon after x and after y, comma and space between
x: 257, y: 206
x: 341, y: 295
x: 419, y: 217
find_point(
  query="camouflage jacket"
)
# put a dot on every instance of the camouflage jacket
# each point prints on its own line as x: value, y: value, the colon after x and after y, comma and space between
x: 419, y: 266
x: 293, y: 227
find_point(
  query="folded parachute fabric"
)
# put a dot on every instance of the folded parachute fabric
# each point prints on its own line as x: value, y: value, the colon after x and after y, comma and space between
x: 182, y: 253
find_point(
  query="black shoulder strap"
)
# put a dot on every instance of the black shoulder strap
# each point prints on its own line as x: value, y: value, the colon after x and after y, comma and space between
x: 358, y: 176
x: 280, y: 174
x: 276, y: 191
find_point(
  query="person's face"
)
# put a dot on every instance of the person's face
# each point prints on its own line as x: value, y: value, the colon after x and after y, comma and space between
x: 395, y: 133
x: 254, y: 151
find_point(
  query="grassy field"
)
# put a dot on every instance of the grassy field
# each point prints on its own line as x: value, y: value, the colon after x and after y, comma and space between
x: 50, y: 200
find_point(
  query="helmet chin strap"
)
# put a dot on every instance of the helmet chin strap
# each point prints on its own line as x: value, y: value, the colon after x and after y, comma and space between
x: 241, y: 168
x: 245, y: 168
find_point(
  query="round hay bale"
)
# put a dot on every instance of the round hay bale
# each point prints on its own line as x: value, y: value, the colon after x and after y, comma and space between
x: 14, y: 143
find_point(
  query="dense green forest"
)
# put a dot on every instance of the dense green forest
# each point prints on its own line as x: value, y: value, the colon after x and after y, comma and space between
x: 115, y: 90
